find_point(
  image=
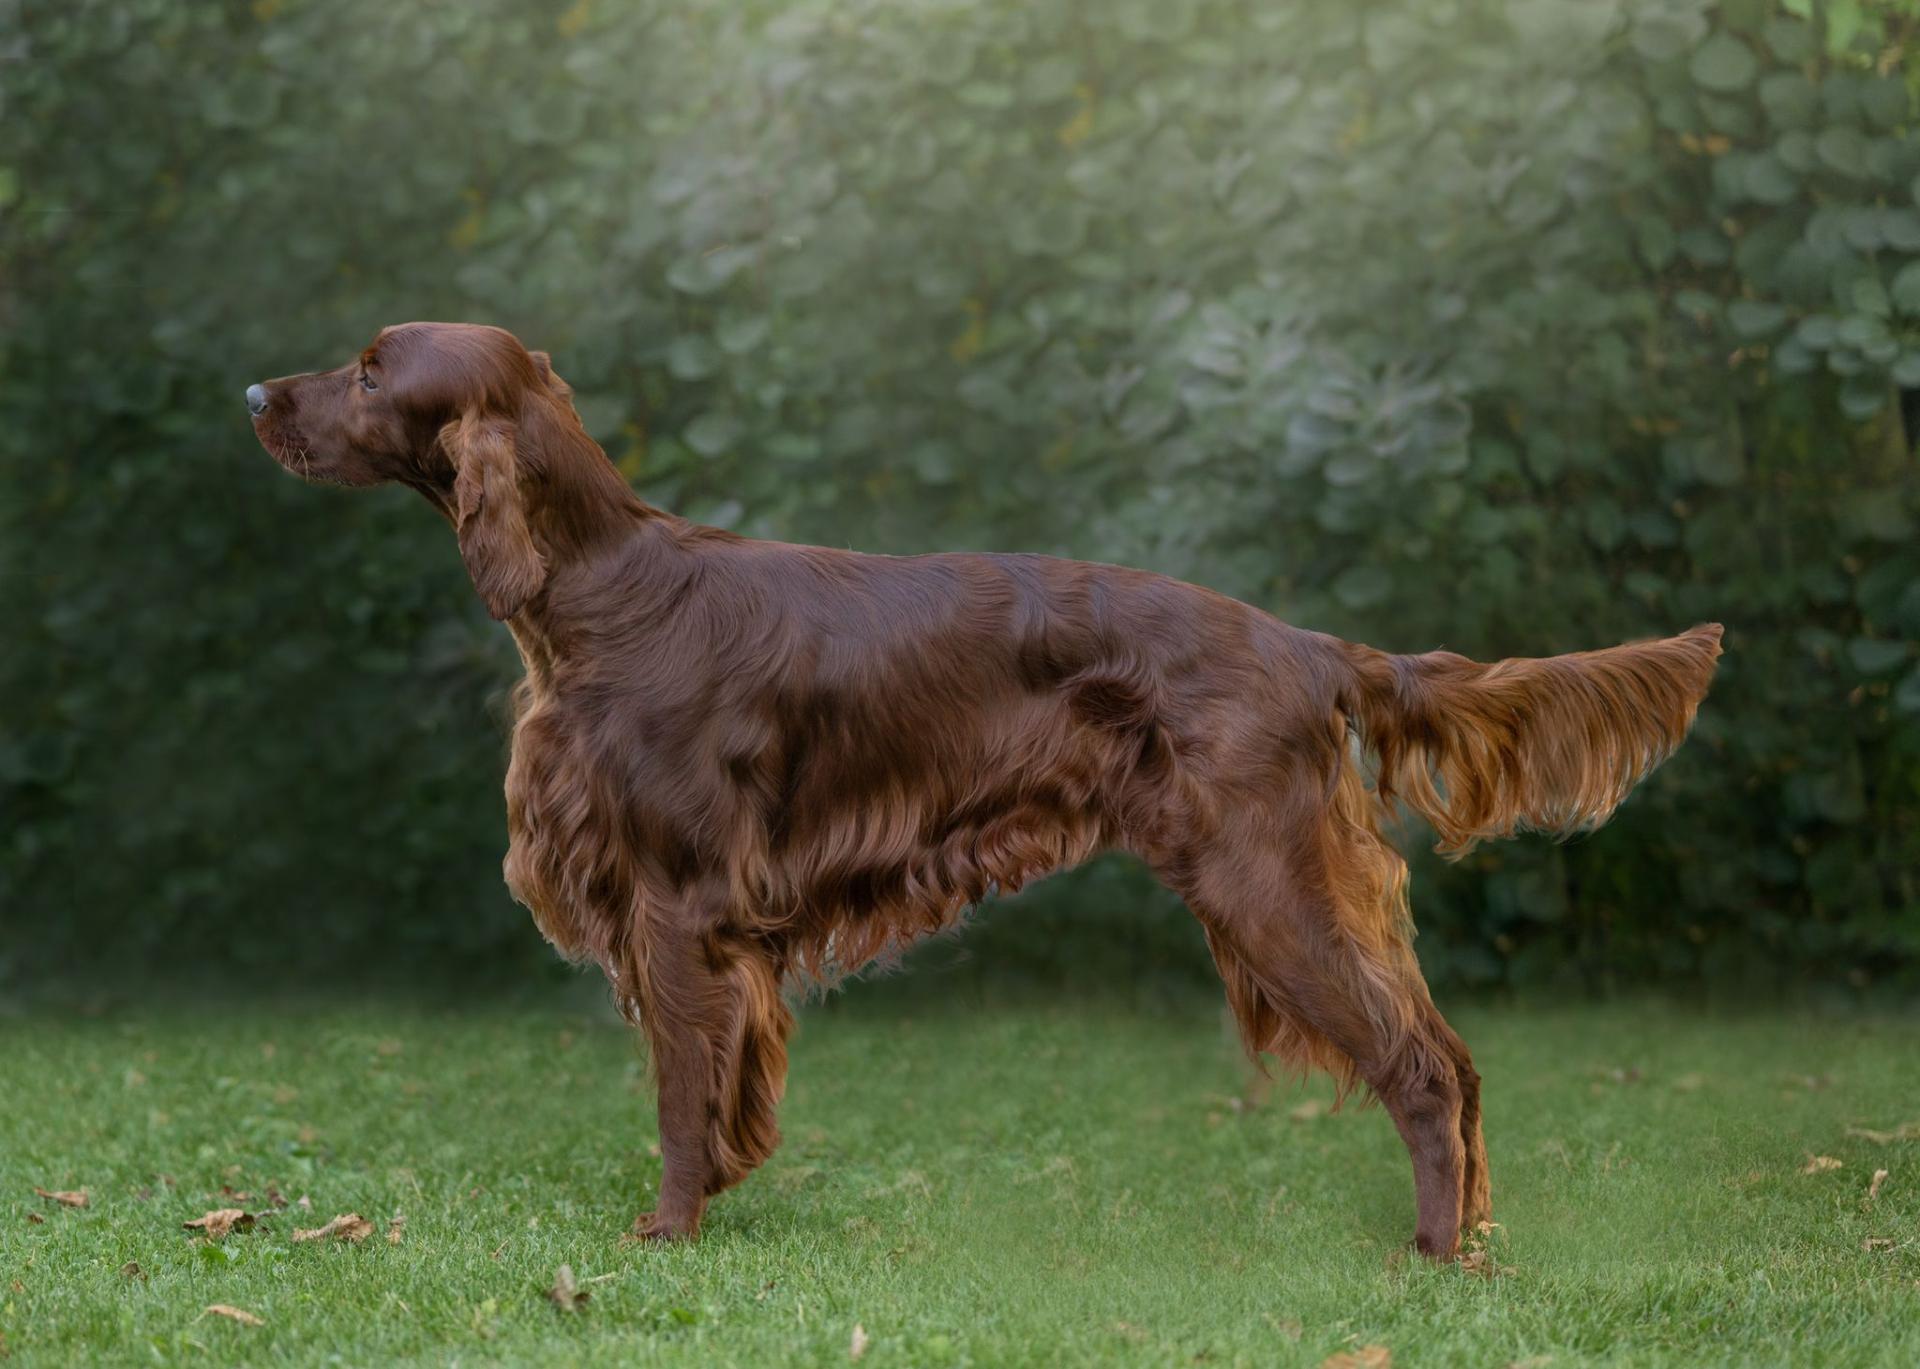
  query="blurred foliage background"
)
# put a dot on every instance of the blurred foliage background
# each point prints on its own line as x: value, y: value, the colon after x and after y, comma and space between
x: 1514, y: 326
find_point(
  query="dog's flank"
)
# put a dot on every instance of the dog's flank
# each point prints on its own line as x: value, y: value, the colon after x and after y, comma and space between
x: 736, y: 763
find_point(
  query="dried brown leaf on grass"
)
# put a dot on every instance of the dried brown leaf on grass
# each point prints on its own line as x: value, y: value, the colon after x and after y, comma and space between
x: 67, y: 1198
x: 132, y: 1270
x: 348, y: 1226
x: 220, y: 1221
x: 1876, y: 1243
x: 565, y: 1293
x: 1308, y: 1111
x: 568, y: 1293
x: 1478, y: 1258
x: 1365, y: 1357
x: 1906, y: 1131
x: 36, y: 1219
x: 396, y: 1228
x: 857, y: 1346
x: 1819, y: 1164
x: 1873, y: 1186
x: 239, y: 1314
x: 1483, y: 1264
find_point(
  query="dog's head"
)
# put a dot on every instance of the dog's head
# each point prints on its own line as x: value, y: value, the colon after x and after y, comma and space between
x: 460, y: 411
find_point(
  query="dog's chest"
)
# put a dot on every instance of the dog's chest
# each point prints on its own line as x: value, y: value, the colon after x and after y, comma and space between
x: 564, y: 856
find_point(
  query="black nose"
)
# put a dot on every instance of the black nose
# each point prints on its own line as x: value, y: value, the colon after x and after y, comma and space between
x: 256, y: 399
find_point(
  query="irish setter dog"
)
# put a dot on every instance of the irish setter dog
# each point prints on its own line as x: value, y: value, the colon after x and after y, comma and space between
x: 736, y: 762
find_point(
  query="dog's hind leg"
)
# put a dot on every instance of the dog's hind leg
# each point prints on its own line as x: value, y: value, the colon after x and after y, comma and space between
x: 1476, y: 1184
x: 1317, y: 983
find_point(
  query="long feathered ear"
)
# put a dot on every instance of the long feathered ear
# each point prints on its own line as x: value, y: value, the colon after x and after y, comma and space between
x: 488, y: 515
x: 550, y: 377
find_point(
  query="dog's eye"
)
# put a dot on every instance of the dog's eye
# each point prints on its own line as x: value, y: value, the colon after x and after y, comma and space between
x: 367, y: 383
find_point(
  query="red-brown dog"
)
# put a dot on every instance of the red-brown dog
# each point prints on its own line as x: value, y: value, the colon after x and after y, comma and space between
x: 735, y: 760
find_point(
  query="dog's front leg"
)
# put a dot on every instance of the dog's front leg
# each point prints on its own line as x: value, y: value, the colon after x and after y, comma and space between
x: 718, y: 1028
x: 683, y: 1072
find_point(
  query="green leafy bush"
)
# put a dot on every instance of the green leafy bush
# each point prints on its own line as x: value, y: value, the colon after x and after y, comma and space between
x: 1511, y: 327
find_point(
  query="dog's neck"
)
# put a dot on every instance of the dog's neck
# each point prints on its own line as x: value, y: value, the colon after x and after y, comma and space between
x: 583, y: 518
x: 578, y: 507
x: 583, y: 506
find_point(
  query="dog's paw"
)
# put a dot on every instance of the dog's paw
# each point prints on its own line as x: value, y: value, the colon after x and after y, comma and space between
x: 653, y: 1227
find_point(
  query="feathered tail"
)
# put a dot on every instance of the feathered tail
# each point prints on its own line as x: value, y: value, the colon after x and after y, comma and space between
x: 1549, y: 744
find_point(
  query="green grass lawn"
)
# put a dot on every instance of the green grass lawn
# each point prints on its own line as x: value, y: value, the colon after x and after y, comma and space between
x: 1005, y: 1185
